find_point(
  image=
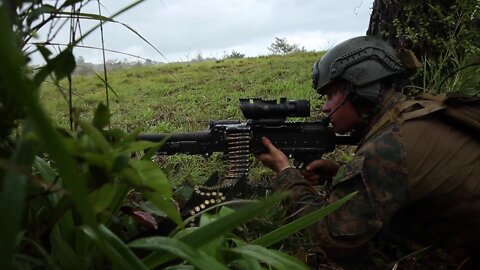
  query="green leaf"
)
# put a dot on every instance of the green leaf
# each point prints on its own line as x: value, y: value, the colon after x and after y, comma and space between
x: 137, y: 146
x: 102, y: 197
x: 215, y: 229
x: 63, y: 64
x: 121, y: 248
x: 120, y: 162
x: 151, y: 208
x: 45, y: 170
x: 117, y: 200
x: 35, y: 13
x: 150, y: 180
x: 101, y: 117
x: 12, y: 195
x: 244, y: 262
x: 44, y: 51
x: 180, y: 234
x: 300, y: 223
x: 214, y: 246
x: 149, y: 175
x: 167, y: 205
x: 96, y: 136
x: 180, y: 249
x: 118, y: 253
x: 99, y: 160
x: 63, y: 252
x: 274, y: 258
x: 50, y: 261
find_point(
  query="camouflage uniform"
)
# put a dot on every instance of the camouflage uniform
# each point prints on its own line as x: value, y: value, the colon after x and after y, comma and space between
x: 418, y: 176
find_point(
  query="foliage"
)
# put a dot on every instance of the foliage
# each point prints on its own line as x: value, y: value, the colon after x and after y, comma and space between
x: 444, y: 35
x: 229, y: 249
x: 66, y: 191
x: 234, y: 55
x: 281, y: 46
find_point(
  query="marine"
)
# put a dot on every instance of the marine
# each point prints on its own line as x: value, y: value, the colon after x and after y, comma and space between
x: 416, y: 174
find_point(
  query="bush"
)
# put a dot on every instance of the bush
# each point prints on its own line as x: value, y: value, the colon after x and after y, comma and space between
x: 281, y: 46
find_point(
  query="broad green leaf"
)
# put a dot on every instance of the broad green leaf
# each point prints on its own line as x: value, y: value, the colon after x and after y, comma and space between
x: 180, y: 234
x: 148, y: 179
x: 146, y: 174
x: 214, y: 246
x: 167, y: 205
x: 45, y: 170
x: 51, y: 262
x: 244, y: 261
x: 225, y: 211
x: 300, y: 223
x: 100, y: 160
x: 44, y: 51
x: 137, y: 146
x: 101, y: 117
x: 121, y: 248
x: 180, y: 249
x: 63, y: 64
x: 102, y: 197
x: 181, y: 267
x: 96, y: 136
x: 117, y: 200
x: 151, y: 208
x: 215, y: 229
x: 119, y: 163
x: 274, y: 258
x: 118, y: 253
x: 63, y: 251
x: 12, y: 195
x: 35, y: 13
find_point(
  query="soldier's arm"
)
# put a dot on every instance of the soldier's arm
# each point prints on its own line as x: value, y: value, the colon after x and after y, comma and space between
x: 342, y: 232
x: 377, y: 172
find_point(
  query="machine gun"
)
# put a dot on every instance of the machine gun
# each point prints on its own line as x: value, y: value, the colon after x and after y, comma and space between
x: 301, y: 141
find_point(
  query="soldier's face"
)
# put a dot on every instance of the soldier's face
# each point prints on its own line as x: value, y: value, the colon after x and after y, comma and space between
x: 343, y: 115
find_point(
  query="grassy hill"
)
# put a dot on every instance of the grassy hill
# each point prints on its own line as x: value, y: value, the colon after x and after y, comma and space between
x: 184, y: 97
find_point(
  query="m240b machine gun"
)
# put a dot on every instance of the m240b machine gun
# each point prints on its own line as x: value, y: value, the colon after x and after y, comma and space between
x: 302, y: 141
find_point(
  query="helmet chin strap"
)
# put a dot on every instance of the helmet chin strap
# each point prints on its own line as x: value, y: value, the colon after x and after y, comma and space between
x: 347, y: 96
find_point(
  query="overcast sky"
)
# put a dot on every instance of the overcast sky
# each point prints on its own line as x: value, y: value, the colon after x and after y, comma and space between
x: 182, y: 29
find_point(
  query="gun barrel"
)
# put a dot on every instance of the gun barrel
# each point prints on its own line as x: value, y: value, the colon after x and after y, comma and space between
x: 181, y: 136
x: 195, y: 143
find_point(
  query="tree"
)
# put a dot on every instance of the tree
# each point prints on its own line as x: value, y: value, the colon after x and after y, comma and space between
x: 282, y: 46
x: 234, y: 55
x: 443, y: 34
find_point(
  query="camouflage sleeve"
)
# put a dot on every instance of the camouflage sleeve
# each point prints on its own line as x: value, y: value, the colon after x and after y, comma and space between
x: 377, y: 172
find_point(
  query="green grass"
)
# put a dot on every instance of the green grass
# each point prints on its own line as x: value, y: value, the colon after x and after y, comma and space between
x: 185, y: 97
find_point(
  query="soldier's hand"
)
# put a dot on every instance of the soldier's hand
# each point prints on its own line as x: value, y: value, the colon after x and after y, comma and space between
x: 273, y: 158
x: 320, y: 170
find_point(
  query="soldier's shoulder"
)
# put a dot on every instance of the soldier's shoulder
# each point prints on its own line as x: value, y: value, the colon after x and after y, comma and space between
x: 386, y: 143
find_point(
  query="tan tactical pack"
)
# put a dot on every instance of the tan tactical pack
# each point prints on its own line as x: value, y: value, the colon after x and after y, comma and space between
x: 460, y: 111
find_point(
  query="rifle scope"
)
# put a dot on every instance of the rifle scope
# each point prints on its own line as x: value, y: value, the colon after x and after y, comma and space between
x: 257, y: 108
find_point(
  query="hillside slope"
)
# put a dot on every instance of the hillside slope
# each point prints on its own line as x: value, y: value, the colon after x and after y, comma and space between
x: 185, y: 96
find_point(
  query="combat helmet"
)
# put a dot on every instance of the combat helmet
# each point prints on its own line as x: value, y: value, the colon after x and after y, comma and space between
x: 362, y: 62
